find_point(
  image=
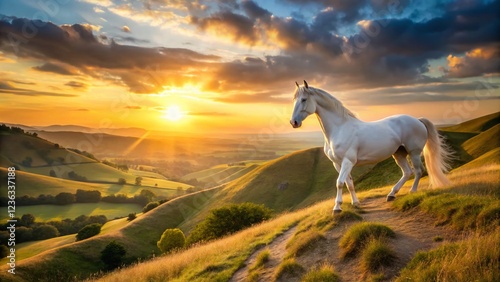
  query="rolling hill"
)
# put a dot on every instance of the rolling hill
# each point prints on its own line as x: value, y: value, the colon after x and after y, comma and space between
x: 294, y: 186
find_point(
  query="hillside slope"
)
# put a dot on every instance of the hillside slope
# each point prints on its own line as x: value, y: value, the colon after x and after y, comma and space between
x: 289, y: 183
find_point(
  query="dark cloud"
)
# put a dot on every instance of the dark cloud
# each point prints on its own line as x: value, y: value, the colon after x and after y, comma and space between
x: 130, y: 39
x: 384, y: 51
x: 55, y: 68
x: 8, y: 88
x: 77, y: 46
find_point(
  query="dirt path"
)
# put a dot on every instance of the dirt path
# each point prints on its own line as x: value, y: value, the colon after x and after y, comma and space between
x: 414, y: 231
x: 277, y: 248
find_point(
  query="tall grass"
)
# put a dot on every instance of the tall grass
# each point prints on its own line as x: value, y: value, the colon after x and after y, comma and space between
x: 474, y: 259
x: 214, y: 261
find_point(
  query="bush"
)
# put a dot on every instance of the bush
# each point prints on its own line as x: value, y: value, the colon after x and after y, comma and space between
x: 131, y: 216
x: 43, y: 232
x: 150, y: 206
x: 122, y: 181
x: 227, y: 220
x: 88, y: 231
x: 113, y: 255
x: 170, y: 240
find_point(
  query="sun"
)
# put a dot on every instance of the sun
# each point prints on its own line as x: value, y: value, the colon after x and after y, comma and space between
x: 173, y: 113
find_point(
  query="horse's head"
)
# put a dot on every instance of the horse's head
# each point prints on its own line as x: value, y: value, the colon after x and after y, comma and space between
x: 304, y: 105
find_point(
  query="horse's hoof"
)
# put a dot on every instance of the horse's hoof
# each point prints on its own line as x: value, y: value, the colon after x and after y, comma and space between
x: 391, y: 198
x: 337, y: 212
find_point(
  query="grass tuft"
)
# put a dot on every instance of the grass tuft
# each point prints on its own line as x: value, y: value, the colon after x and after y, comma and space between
x: 325, y: 273
x: 261, y: 259
x: 288, y: 268
x: 303, y: 241
x: 360, y: 234
x: 346, y: 216
x: 375, y: 255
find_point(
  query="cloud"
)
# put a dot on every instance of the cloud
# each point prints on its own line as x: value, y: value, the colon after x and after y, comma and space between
x: 8, y: 88
x: 477, y: 62
x: 133, y: 107
x: 77, y: 46
x: 55, y: 68
x: 77, y: 85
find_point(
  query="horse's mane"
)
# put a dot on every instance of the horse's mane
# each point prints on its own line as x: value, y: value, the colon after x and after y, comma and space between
x: 328, y: 100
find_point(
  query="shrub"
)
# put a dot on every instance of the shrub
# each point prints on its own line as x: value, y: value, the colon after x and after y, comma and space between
x: 375, y: 255
x: 88, y: 231
x: 150, y: 206
x: 131, y: 216
x: 113, y: 255
x: 358, y: 235
x: 229, y: 219
x: 122, y: 181
x: 43, y: 232
x: 170, y: 240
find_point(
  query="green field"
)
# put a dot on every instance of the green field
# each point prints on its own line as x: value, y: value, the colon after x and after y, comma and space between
x: 55, y: 212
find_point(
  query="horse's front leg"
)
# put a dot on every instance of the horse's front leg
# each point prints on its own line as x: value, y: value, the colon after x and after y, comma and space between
x: 345, y: 171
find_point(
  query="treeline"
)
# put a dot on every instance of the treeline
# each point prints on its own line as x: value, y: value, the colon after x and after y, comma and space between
x: 16, y: 130
x: 81, y: 196
x: 27, y: 229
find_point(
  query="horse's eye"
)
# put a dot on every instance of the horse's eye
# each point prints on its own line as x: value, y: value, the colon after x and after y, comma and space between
x: 304, y: 99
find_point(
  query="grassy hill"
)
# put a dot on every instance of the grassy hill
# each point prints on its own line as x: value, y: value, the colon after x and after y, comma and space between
x: 45, y: 157
x: 309, y: 178
x: 476, y: 125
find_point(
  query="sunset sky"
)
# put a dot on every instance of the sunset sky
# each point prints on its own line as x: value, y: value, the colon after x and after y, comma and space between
x: 230, y: 66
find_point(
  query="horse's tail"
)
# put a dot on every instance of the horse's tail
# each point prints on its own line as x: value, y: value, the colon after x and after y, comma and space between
x: 437, y: 155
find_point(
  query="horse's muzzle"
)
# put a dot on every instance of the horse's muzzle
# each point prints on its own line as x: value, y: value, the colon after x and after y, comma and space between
x: 295, y: 124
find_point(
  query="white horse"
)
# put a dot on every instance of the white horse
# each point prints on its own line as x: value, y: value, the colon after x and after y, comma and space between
x: 350, y: 141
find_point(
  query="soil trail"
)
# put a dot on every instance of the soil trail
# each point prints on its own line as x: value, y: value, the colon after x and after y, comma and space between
x: 414, y: 231
x: 277, y: 248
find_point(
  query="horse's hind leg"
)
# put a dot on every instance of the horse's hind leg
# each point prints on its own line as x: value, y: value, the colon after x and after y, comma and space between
x: 418, y: 167
x: 402, y: 162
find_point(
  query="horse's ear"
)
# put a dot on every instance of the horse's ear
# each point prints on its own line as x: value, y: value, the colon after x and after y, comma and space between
x: 305, y: 84
x: 297, y: 84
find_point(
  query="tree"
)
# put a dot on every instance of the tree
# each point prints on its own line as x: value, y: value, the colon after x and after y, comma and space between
x: 122, y: 181
x: 65, y: 198
x: 150, y: 206
x: 88, y: 231
x: 171, y: 240
x: 113, y: 254
x: 138, y: 181
x: 52, y: 173
x: 44, y: 231
x: 148, y: 195
x: 227, y: 220
x: 83, y: 196
x: 24, y: 234
x: 27, y: 219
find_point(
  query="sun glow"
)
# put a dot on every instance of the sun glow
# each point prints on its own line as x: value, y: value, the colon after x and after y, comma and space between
x: 173, y: 113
